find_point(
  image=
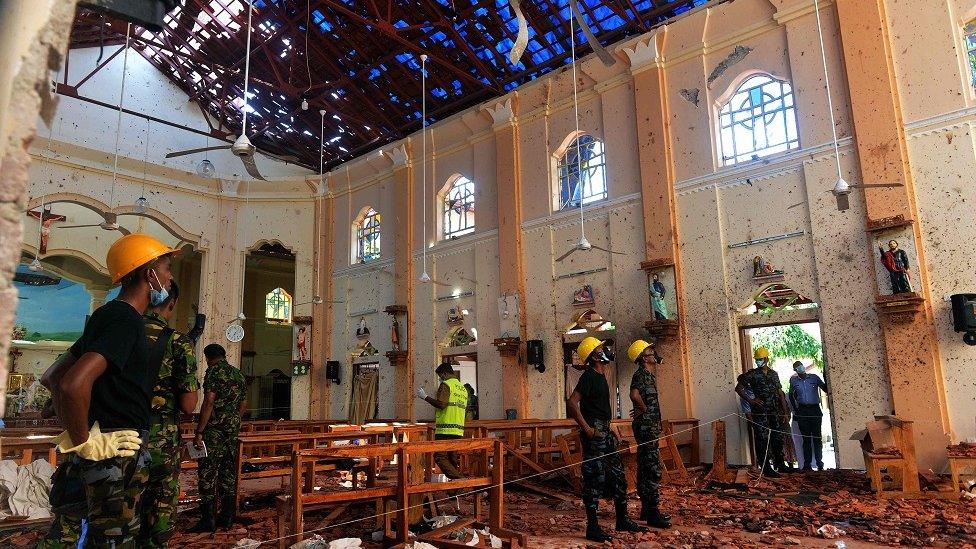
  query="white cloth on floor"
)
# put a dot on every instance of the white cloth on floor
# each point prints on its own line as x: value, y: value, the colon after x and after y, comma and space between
x: 346, y: 543
x: 25, y: 489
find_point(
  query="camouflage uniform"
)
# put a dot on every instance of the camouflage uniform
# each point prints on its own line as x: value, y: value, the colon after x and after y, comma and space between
x: 177, y: 375
x: 647, y: 429
x: 603, y: 473
x: 767, y: 419
x: 99, y: 499
x: 218, y: 471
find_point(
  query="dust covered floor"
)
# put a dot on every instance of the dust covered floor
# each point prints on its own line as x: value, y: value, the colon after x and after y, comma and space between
x: 770, y: 513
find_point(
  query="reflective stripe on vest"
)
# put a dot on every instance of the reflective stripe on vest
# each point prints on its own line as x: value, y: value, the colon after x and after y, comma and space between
x: 450, y: 420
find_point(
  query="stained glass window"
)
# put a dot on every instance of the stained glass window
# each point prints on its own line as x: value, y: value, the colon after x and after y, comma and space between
x: 758, y: 120
x: 277, y: 305
x: 368, y: 237
x: 970, y: 38
x: 458, y: 217
x: 582, y: 173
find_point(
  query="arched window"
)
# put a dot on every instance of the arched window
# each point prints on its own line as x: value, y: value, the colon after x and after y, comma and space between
x: 758, y: 120
x: 458, y: 208
x: 368, y: 236
x: 582, y: 173
x: 277, y: 306
x: 969, y: 33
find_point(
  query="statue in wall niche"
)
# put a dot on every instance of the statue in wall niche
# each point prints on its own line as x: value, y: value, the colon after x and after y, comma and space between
x: 761, y: 268
x: 895, y: 260
x: 395, y: 336
x: 583, y: 296
x: 658, y: 304
x: 361, y: 329
x: 301, y: 344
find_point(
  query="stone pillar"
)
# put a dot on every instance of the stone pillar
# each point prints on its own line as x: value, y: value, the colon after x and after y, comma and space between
x: 913, y: 361
x: 221, y: 286
x: 324, y: 257
x: 660, y: 225
x: 98, y: 295
x: 32, y: 42
x: 511, y: 273
x: 404, y: 278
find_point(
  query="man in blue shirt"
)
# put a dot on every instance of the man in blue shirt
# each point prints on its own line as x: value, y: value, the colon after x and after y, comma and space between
x: 805, y: 399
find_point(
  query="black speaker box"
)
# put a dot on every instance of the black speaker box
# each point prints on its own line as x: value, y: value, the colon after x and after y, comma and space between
x: 963, y: 312
x: 332, y: 370
x: 533, y: 352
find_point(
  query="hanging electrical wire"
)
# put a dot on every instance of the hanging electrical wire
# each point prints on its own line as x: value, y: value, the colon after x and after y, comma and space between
x: 424, y: 277
x: 118, y: 123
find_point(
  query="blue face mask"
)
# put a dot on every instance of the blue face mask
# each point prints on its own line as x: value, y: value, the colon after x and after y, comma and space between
x: 157, y: 297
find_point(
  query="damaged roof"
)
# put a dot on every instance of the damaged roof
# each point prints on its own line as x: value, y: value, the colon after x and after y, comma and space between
x: 359, y: 60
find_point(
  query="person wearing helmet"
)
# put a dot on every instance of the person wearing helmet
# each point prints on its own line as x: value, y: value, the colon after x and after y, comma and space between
x: 101, y: 391
x: 647, y: 430
x: 602, y: 469
x: 761, y: 389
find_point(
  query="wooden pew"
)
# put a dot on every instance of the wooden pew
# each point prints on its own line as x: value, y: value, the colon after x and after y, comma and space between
x: 399, y: 492
x: 272, y: 451
x: 24, y: 450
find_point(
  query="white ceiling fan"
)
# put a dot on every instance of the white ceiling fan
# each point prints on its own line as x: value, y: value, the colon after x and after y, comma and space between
x: 242, y: 147
x: 110, y: 223
x: 424, y: 277
x: 583, y: 245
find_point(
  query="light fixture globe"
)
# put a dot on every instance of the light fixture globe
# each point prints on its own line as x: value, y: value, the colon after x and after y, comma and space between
x: 35, y: 265
x: 142, y: 205
x: 424, y: 278
x: 841, y: 188
x: 206, y: 169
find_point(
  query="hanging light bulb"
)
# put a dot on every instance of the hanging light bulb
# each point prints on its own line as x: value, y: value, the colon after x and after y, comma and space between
x: 316, y: 300
x: 142, y: 204
x: 424, y: 278
x: 35, y: 265
x: 304, y: 104
x: 206, y: 169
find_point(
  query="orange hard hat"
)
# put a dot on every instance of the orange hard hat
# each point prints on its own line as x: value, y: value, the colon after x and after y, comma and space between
x: 133, y: 251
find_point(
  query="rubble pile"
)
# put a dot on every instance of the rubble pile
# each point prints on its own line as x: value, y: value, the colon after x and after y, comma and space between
x: 963, y: 450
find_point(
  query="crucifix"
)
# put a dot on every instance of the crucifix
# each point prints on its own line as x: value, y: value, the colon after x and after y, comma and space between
x: 47, y: 219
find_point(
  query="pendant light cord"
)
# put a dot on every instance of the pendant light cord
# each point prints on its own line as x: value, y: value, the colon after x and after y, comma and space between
x: 308, y: 29
x: 830, y: 100
x: 118, y: 122
x: 579, y: 156
x: 247, y: 195
x: 318, y: 241
x: 247, y: 63
x: 423, y: 158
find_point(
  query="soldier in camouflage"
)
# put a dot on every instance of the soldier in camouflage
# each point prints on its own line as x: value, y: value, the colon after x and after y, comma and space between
x: 220, y: 423
x: 767, y: 402
x: 175, y: 392
x: 647, y: 430
x: 602, y: 469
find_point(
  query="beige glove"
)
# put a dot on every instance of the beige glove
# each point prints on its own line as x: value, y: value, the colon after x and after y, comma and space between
x: 101, y: 445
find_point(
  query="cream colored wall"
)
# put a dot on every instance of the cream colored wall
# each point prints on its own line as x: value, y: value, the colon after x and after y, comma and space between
x: 935, y: 87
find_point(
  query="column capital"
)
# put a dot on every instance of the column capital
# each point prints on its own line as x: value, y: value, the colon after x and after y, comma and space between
x: 504, y: 112
x: 645, y: 53
x: 229, y: 187
x: 398, y: 154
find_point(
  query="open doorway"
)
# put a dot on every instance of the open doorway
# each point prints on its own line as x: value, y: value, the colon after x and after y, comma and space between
x: 266, y: 351
x: 789, y: 343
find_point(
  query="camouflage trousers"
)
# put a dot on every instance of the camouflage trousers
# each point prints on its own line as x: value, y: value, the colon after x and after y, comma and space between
x: 767, y: 430
x: 162, y: 493
x: 646, y: 433
x: 95, y: 503
x: 603, y: 472
x: 217, y: 473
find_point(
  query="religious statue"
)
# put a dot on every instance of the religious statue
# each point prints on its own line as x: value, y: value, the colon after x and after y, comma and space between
x: 46, y: 219
x: 455, y: 316
x: 583, y: 296
x: 761, y: 268
x: 362, y: 330
x: 895, y: 260
x: 658, y: 304
x: 301, y: 344
x: 395, y: 336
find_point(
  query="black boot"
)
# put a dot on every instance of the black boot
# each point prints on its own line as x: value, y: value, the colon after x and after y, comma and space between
x: 206, y: 523
x: 624, y: 524
x: 657, y: 519
x: 593, y: 530
x: 227, y: 512
x: 769, y: 472
x: 646, y: 511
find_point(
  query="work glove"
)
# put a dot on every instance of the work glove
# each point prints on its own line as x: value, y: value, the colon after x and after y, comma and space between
x: 100, y: 446
x: 421, y: 393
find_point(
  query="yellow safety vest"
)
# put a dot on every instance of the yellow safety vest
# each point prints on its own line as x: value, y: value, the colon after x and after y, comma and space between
x: 450, y: 420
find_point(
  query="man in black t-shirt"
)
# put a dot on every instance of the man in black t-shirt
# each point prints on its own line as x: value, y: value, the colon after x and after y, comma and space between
x: 589, y: 405
x: 101, y: 390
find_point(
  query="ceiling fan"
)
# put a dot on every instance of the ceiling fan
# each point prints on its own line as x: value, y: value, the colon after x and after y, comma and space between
x: 110, y: 223
x: 583, y: 245
x: 242, y: 147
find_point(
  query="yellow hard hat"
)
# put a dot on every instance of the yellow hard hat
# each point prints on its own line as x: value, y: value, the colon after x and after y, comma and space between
x: 636, y: 348
x: 761, y: 352
x: 586, y: 347
x: 133, y: 251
